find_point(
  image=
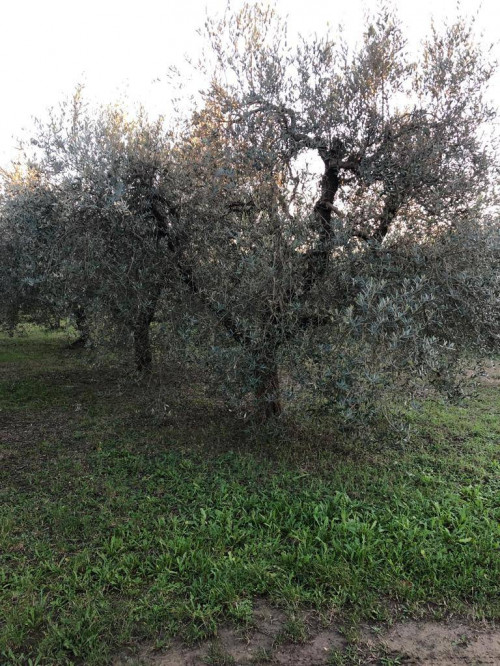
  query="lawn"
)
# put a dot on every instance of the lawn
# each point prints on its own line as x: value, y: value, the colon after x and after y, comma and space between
x: 123, y: 522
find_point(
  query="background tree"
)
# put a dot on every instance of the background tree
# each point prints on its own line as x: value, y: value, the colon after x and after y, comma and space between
x: 106, y: 174
x: 28, y: 209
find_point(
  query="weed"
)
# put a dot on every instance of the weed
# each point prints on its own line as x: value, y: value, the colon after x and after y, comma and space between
x: 349, y: 656
x: 217, y: 656
x: 294, y: 631
x: 262, y: 656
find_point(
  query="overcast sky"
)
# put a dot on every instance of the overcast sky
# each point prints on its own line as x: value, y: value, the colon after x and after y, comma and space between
x: 118, y: 47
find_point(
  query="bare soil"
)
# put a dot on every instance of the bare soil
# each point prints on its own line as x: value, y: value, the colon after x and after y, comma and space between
x: 446, y: 644
x: 452, y: 643
x: 491, y: 376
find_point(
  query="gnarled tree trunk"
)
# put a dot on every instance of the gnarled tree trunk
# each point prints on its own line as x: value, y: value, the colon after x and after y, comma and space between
x: 267, y: 391
x: 142, y: 342
x: 82, y: 328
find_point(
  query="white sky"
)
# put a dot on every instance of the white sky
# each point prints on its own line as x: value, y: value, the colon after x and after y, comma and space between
x: 121, y: 47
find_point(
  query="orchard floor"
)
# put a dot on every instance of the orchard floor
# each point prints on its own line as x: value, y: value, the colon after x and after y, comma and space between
x: 447, y: 643
x: 146, y: 524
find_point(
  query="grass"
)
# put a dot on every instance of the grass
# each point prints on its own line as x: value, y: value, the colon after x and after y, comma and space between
x: 115, y: 529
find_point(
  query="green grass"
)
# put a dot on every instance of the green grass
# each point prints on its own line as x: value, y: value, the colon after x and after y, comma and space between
x: 115, y: 529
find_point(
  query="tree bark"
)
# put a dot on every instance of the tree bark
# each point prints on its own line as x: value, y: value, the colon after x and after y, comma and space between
x: 389, y: 212
x: 317, y: 258
x: 142, y: 342
x: 82, y: 328
x: 267, y: 391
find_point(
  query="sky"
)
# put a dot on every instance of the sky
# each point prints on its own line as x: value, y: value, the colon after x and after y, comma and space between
x: 120, y: 48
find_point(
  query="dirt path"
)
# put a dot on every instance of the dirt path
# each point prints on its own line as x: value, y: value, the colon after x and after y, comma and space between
x: 450, y: 643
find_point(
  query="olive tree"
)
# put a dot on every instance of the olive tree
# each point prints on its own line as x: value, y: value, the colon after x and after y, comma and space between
x: 384, y: 274
x: 107, y: 173
x: 28, y: 210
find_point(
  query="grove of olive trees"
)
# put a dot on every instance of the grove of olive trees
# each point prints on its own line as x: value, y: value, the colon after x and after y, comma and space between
x: 325, y: 294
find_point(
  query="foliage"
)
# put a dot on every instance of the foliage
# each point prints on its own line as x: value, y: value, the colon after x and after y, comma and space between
x: 26, y: 220
x: 328, y: 297
x: 105, y: 174
x: 392, y: 269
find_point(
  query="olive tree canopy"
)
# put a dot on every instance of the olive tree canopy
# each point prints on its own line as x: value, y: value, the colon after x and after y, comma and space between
x: 385, y: 268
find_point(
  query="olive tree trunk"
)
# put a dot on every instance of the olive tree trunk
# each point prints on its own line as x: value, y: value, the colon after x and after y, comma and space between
x: 142, y: 342
x: 267, y: 391
x: 82, y: 328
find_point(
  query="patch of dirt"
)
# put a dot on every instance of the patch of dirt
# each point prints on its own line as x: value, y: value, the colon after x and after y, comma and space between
x: 445, y: 644
x: 491, y: 376
x: 426, y: 643
x: 262, y: 643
